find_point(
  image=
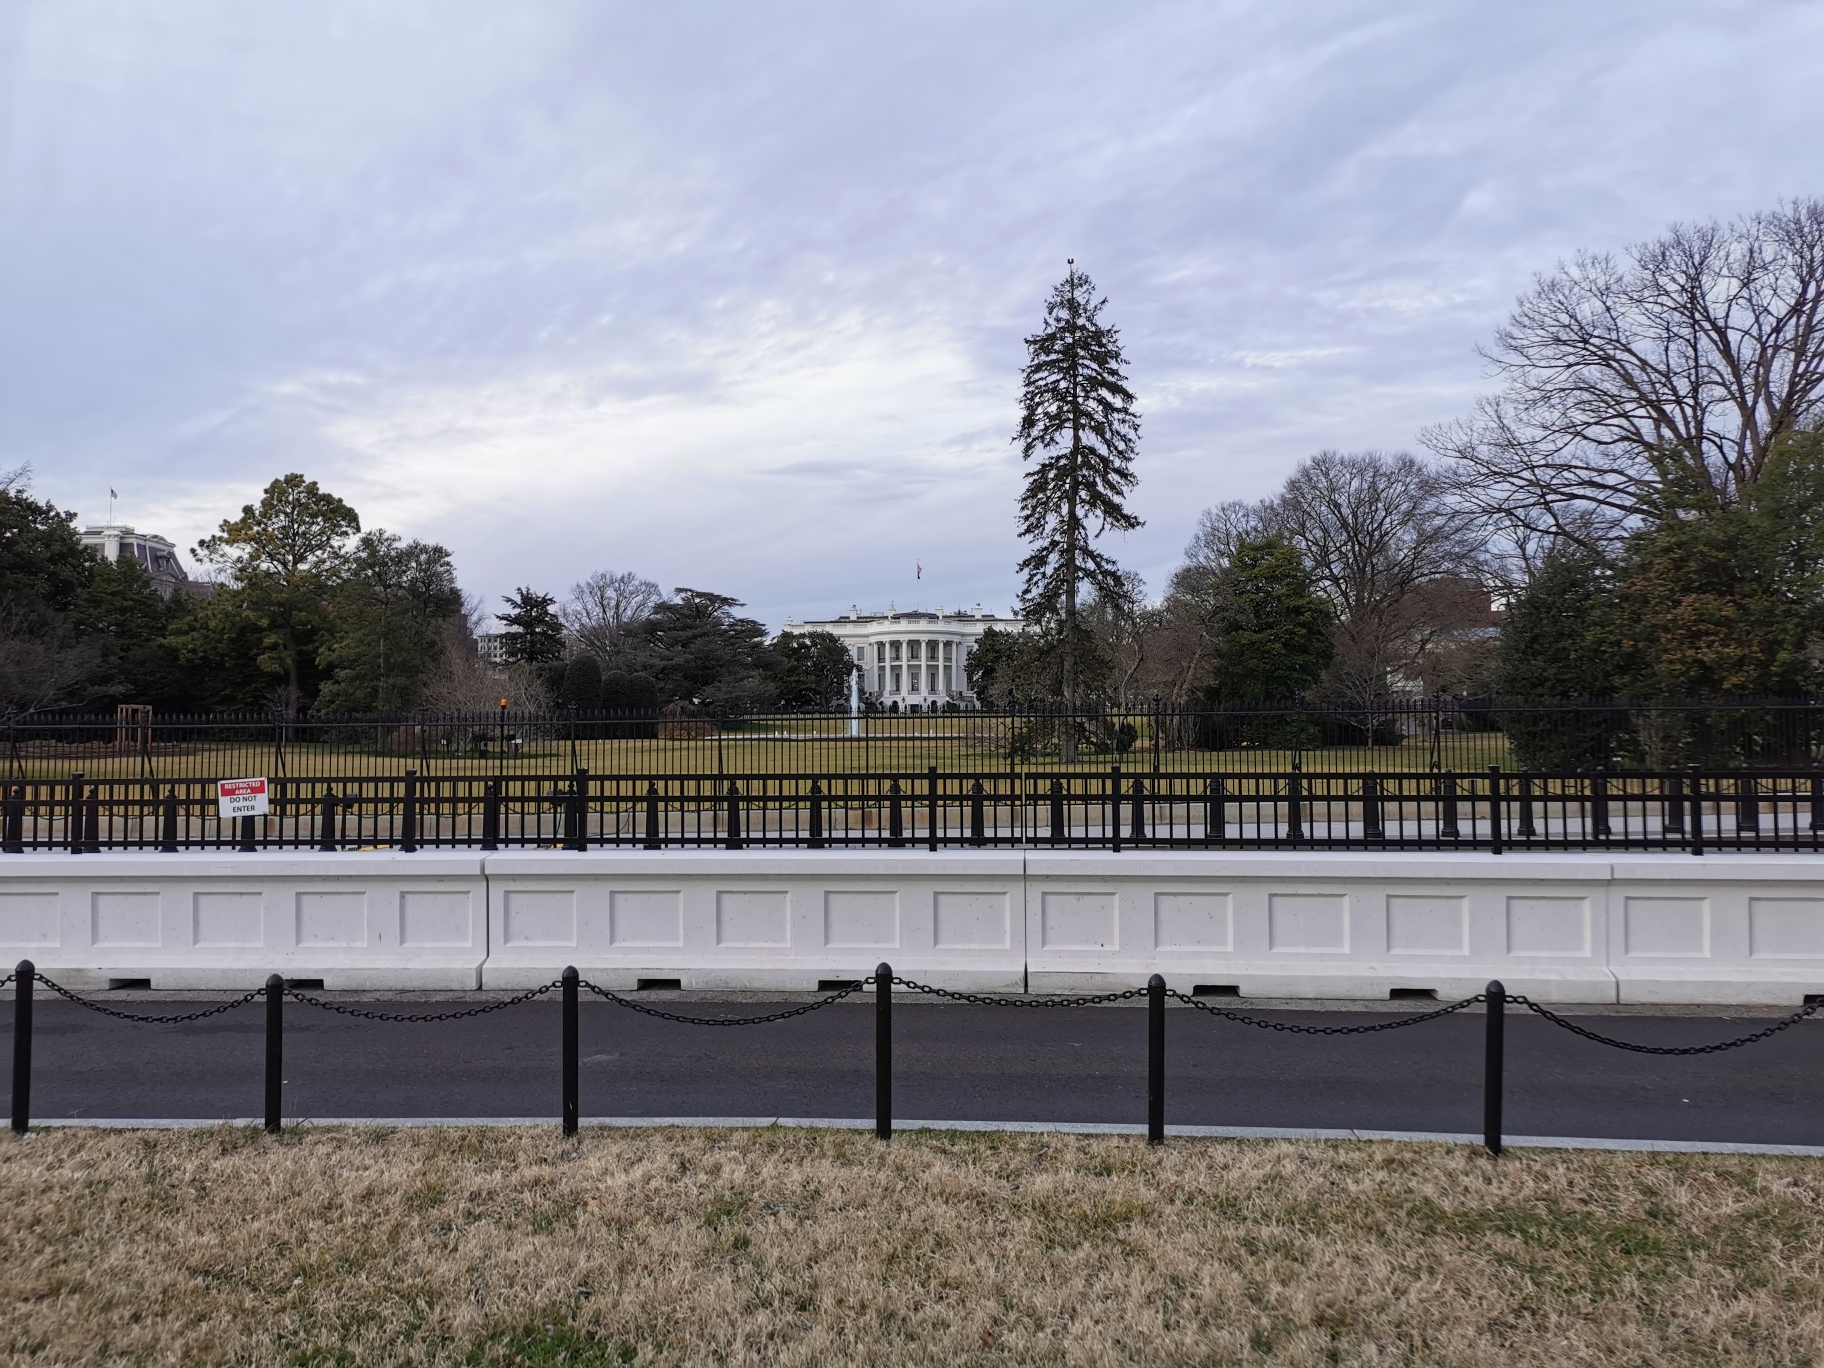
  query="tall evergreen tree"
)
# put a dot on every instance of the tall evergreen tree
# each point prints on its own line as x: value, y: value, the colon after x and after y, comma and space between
x: 534, y: 635
x: 1077, y: 421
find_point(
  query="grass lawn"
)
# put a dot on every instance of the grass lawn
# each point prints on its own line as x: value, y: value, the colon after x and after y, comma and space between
x: 798, y: 1247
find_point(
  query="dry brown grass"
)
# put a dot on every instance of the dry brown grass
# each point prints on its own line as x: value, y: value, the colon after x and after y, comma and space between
x: 794, y: 1247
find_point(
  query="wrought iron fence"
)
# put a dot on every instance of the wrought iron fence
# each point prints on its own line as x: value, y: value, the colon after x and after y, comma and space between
x: 1109, y: 809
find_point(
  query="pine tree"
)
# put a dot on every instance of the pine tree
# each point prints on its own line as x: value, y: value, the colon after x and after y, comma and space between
x: 1077, y: 419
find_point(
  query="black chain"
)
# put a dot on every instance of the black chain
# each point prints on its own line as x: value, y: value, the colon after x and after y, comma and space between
x: 644, y: 1010
x: 1629, y: 1045
x: 981, y: 1001
x: 483, y: 1010
x: 67, y: 995
x: 1297, y: 1029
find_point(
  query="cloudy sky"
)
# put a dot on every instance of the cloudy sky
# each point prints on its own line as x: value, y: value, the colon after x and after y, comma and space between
x: 733, y: 294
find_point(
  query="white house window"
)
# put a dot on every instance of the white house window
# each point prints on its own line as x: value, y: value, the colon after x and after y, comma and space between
x: 894, y: 646
x: 931, y: 652
x: 948, y: 648
x: 880, y: 651
x: 949, y: 687
x: 861, y: 655
x: 911, y: 650
x: 880, y: 679
x: 896, y: 679
x: 913, y: 671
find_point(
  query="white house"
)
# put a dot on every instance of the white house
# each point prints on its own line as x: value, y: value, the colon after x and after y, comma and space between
x: 912, y: 661
x: 155, y: 554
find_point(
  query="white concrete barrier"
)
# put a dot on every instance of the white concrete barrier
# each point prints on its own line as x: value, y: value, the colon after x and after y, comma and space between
x: 780, y: 919
x: 354, y: 919
x: 1559, y: 928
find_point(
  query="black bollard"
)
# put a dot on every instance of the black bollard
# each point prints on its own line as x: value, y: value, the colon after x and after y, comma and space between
x: 1697, y: 812
x: 571, y: 1053
x: 408, y: 813
x: 1059, y: 832
x: 326, y: 821
x: 1372, y: 829
x: 931, y: 812
x: 1137, y: 829
x: 1114, y: 808
x: 1295, y: 805
x: 1155, y: 1060
x: 978, y: 834
x: 1216, y: 811
x: 275, y: 1052
x: 579, y: 836
x: 91, y: 821
x: 816, y: 842
x: 14, y: 838
x: 1447, y: 806
x: 167, y: 836
x: 247, y: 844
x: 883, y: 1051
x: 896, y: 817
x: 652, y: 816
x: 1492, y: 1058
x: 490, y: 815
x: 1497, y: 810
x: 25, y: 975
x: 72, y: 826
x: 734, y: 816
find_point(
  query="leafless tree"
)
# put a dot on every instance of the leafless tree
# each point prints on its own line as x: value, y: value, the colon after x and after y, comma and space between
x: 1645, y: 388
x: 603, y: 606
x: 1224, y: 527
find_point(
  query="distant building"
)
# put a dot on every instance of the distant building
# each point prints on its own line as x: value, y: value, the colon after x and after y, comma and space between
x: 492, y: 647
x: 156, y: 556
x: 913, y: 661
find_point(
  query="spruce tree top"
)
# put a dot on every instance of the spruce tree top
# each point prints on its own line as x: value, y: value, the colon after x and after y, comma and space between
x: 1077, y: 421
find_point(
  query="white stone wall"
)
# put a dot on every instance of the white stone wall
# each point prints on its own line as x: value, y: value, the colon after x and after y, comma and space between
x: 1560, y: 928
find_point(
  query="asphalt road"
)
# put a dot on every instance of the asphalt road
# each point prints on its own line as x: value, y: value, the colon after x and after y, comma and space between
x: 952, y: 1062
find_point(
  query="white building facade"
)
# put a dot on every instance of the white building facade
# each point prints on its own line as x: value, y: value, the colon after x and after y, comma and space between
x: 155, y: 554
x: 915, y: 661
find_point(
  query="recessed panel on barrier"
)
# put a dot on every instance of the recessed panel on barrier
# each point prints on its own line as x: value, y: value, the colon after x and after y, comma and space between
x: 332, y: 920
x: 435, y: 918
x: 1193, y: 921
x: 539, y: 916
x: 646, y: 917
x: 1786, y: 928
x: 1310, y: 923
x: 1427, y: 924
x: 969, y: 921
x: 1548, y: 926
x: 1666, y: 927
x: 28, y: 920
x: 126, y: 920
x: 754, y: 920
x: 861, y: 921
x: 231, y: 920
x: 1077, y: 921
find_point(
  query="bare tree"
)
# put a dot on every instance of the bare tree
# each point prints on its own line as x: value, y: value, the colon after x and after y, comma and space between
x: 600, y: 609
x: 1646, y: 388
x: 1224, y: 527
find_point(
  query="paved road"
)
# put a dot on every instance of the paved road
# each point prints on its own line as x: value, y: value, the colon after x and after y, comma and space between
x: 951, y: 1063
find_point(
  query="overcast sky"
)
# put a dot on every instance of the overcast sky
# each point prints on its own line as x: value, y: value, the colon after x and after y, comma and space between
x: 733, y: 294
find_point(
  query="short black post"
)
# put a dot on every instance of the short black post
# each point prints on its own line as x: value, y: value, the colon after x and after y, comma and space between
x: 978, y: 834
x: 1060, y: 833
x: 72, y: 826
x: 1697, y: 812
x: 1114, y: 807
x: 246, y: 844
x: 1372, y: 829
x: 167, y: 822
x: 1526, y: 827
x: 931, y: 814
x: 1497, y: 810
x: 1447, y: 805
x: 1295, y: 805
x: 1747, y: 805
x: 883, y: 1051
x: 275, y: 1052
x: 490, y: 815
x: 896, y: 816
x: 733, y: 841
x: 1492, y: 1057
x: 326, y: 821
x: 1599, y: 805
x: 816, y: 841
x: 1137, y: 828
x: 571, y: 1053
x: 652, y: 815
x: 91, y: 821
x: 579, y: 803
x: 1155, y: 1060
x: 1817, y: 799
x: 25, y: 975
x: 1216, y: 811
x: 13, y: 840
x: 1672, y: 805
x: 408, y: 813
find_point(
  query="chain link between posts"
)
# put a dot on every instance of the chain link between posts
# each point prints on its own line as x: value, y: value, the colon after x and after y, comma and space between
x: 1807, y: 1010
x: 119, y: 1015
x: 415, y: 1017
x: 644, y: 1010
x: 979, y: 1000
x: 1298, y: 1028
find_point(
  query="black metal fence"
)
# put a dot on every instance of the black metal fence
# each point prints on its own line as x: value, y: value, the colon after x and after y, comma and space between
x: 1497, y: 810
x: 1494, y: 1000
x: 1389, y: 735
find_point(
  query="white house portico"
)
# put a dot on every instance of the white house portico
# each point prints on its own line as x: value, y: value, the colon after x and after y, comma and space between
x: 914, y: 661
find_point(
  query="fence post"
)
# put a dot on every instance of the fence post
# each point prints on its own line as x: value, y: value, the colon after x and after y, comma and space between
x: 1061, y: 833
x: 1817, y: 799
x: 73, y: 824
x: 1114, y: 806
x: 652, y: 814
x: 408, y: 813
x: 1672, y: 805
x: 816, y: 815
x: 733, y: 841
x: 978, y: 834
x: 14, y: 839
x: 25, y: 975
x: 1447, y: 805
x: 931, y: 815
x: 1155, y: 1060
x: 91, y: 821
x: 1526, y: 806
x: 883, y: 1051
x: 1599, y: 804
x: 326, y: 821
x: 1697, y: 812
x: 1216, y: 814
x: 571, y: 1053
x: 1137, y: 830
x: 896, y: 816
x: 275, y: 1051
x: 1496, y: 809
x: 1372, y: 828
x: 167, y: 822
x: 1747, y: 805
x: 246, y: 843
x: 490, y: 815
x: 1295, y: 804
x: 579, y: 799
x: 1494, y: 1045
